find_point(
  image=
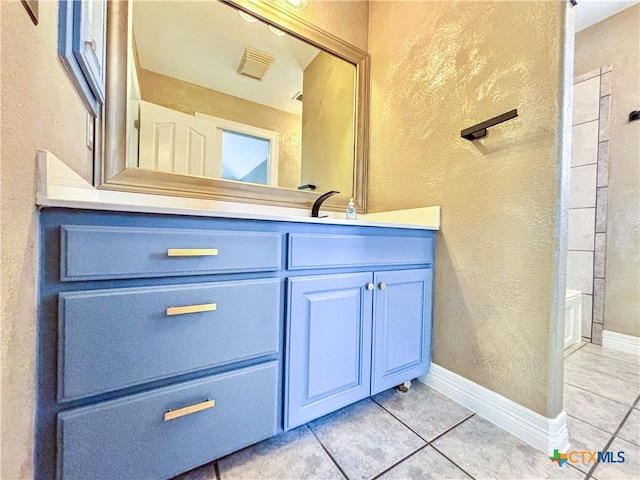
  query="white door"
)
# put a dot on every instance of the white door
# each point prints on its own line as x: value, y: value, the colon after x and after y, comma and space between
x: 175, y: 142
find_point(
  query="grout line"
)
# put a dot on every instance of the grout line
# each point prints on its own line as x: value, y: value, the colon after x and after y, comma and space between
x: 466, y: 473
x: 613, y: 437
x: 590, y: 424
x: 577, y: 349
x: 595, y: 393
x: 617, y: 359
x: 576, y: 468
x: 416, y: 433
x: 216, y: 469
x: 597, y: 119
x: 451, y: 428
x: 327, y: 452
x: 400, y: 461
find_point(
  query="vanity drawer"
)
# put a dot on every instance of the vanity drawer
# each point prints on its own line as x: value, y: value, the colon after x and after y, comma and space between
x: 111, y: 339
x: 133, y: 437
x: 96, y: 253
x: 326, y: 251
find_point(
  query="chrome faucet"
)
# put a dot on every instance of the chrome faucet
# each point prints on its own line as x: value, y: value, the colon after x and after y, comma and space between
x: 316, y: 205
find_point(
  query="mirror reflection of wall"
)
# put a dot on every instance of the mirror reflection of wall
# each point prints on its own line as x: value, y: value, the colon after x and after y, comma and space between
x: 217, y: 93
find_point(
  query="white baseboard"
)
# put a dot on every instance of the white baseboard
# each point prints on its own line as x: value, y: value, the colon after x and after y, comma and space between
x: 621, y: 342
x: 545, y: 434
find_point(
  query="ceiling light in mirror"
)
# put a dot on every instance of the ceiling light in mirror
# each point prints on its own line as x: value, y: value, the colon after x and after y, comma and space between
x: 276, y: 31
x: 296, y: 4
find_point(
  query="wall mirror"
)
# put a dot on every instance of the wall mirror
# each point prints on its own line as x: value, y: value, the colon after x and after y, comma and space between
x: 232, y: 100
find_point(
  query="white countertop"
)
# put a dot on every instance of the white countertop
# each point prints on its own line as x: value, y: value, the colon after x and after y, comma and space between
x: 60, y: 186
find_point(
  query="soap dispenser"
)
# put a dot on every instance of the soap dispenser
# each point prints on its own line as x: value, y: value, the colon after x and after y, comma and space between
x: 351, y: 210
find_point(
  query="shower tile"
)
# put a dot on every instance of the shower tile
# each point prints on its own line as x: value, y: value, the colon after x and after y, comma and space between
x: 584, y: 144
x: 587, y: 312
x: 596, y: 333
x: 598, y: 300
x: 606, y: 69
x: 581, y: 228
x: 601, y: 210
x: 582, y: 190
x: 605, y: 118
x: 586, y: 76
x: 605, y: 84
x: 599, y: 259
x: 580, y: 271
x: 603, y: 164
x: 586, y: 100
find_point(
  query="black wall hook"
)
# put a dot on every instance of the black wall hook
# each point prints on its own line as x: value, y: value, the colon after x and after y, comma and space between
x: 480, y: 130
x: 635, y: 115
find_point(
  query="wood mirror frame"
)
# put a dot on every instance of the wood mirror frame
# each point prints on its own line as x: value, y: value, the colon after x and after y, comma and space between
x: 112, y: 172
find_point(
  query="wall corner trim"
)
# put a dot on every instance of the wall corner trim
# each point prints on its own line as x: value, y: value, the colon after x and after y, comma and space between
x: 544, y: 434
x: 621, y: 342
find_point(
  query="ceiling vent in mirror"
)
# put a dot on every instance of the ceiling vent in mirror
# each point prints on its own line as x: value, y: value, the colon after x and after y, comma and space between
x: 297, y: 96
x: 254, y: 63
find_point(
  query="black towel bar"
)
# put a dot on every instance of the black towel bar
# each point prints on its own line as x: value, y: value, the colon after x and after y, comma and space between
x: 480, y: 130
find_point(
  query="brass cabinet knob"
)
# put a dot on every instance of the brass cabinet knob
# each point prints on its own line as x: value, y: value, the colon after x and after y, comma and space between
x: 370, y: 286
x: 382, y: 285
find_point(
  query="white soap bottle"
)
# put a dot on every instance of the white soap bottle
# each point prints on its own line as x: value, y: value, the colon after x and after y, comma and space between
x: 351, y: 210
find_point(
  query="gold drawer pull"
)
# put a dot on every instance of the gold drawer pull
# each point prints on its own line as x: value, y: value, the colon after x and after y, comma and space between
x: 205, y: 307
x: 181, y: 412
x: 192, y: 252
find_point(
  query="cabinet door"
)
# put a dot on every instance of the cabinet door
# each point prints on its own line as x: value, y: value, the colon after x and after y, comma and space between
x: 402, y: 327
x: 328, y: 344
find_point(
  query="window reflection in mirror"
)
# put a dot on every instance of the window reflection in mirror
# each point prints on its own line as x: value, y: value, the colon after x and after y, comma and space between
x: 217, y: 94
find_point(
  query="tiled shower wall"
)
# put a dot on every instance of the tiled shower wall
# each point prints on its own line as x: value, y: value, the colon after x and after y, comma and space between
x: 588, y: 197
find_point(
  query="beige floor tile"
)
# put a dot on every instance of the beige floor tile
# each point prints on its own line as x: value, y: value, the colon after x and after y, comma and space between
x: 611, y: 367
x: 293, y: 455
x: 485, y: 451
x: 427, y: 464
x: 425, y: 411
x: 364, y: 439
x: 584, y: 437
x: 629, y: 469
x: 574, y: 348
x: 630, y: 430
x: 593, y: 409
x: 611, y: 353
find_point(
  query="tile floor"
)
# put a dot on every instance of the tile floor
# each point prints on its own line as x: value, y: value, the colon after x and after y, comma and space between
x: 424, y: 435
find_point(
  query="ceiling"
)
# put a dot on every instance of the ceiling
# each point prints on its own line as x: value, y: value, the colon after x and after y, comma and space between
x: 203, y: 42
x: 590, y: 12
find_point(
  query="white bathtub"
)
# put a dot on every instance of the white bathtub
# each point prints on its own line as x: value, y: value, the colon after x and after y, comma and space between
x: 572, y: 318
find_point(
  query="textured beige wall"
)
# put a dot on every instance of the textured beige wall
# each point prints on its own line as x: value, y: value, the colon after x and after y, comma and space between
x: 190, y: 98
x: 615, y: 42
x: 328, y: 122
x: 39, y: 109
x: 348, y: 20
x: 438, y: 67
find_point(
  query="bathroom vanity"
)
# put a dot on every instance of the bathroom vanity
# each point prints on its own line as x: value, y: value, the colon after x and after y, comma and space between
x: 167, y: 341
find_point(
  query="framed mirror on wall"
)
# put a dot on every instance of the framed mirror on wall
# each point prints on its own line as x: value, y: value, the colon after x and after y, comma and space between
x: 232, y: 100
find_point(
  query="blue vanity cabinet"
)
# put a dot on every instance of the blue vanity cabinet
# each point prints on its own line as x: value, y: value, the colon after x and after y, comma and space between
x: 329, y: 344
x: 168, y: 341
x: 402, y: 327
